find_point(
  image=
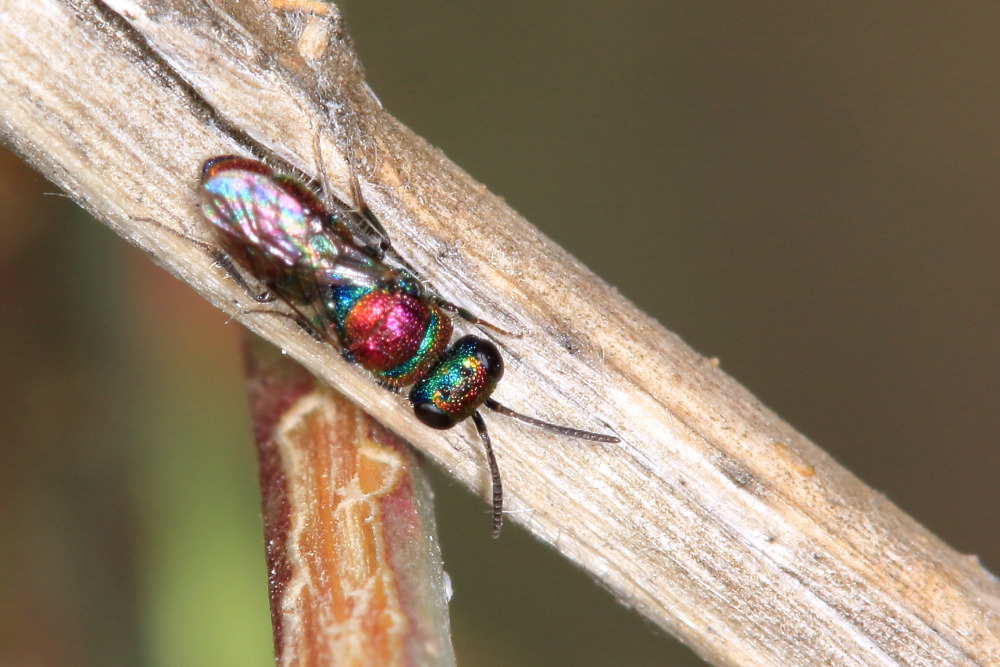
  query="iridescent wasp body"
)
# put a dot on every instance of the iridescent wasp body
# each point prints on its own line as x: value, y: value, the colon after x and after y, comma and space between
x: 380, y: 316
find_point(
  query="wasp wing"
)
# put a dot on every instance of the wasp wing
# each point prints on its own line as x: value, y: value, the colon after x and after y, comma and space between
x: 284, y: 241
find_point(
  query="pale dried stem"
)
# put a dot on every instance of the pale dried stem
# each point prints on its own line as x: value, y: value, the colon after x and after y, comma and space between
x: 713, y: 517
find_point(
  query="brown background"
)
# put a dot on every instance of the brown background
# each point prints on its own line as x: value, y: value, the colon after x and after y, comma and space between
x: 808, y: 193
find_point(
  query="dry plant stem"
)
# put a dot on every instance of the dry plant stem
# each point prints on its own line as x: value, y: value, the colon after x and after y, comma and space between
x: 355, y: 575
x: 713, y: 517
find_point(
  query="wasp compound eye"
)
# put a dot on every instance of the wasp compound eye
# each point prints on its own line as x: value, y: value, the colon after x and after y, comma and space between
x: 431, y: 415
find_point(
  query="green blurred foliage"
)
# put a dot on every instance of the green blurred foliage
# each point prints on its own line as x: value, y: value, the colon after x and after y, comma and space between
x: 805, y: 191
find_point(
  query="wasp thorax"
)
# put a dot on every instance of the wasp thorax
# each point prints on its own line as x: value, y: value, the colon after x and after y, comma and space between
x: 459, y: 384
x: 396, y: 336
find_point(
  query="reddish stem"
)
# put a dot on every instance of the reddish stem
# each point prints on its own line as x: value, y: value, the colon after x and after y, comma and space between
x: 354, y: 568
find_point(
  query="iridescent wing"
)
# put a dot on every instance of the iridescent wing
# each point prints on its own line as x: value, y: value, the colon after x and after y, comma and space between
x: 255, y: 215
x: 282, y: 237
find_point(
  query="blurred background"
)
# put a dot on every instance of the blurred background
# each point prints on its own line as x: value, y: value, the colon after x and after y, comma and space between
x: 806, y: 192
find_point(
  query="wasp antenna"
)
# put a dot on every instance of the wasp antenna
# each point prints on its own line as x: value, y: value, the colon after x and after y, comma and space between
x: 362, y: 208
x: 555, y: 428
x: 480, y: 423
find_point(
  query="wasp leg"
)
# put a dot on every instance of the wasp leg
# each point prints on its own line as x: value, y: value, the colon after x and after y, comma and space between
x: 367, y: 213
x: 300, y: 320
x: 466, y: 315
x: 385, y: 246
x: 388, y: 387
x: 224, y: 261
x: 377, y: 252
